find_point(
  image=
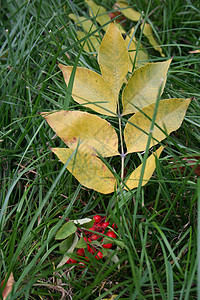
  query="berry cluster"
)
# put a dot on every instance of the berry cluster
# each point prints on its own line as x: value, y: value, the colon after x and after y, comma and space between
x: 100, y: 226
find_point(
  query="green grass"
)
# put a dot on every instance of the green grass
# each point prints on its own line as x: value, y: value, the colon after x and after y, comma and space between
x: 157, y: 223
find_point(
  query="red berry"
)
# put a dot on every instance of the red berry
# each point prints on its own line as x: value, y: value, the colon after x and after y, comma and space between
x: 90, y: 249
x: 80, y: 252
x: 99, y: 255
x: 107, y: 246
x: 114, y: 226
x: 94, y: 237
x: 71, y: 261
x: 105, y: 224
x: 92, y: 228
x: 97, y: 218
x: 111, y: 234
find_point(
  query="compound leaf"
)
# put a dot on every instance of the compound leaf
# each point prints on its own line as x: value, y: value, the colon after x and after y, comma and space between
x: 169, y: 117
x: 113, y: 59
x: 90, y: 133
x: 91, y: 90
x: 133, y: 180
x: 144, y: 85
x: 89, y: 170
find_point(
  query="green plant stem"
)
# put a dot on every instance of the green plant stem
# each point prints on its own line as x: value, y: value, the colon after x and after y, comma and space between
x: 122, y: 148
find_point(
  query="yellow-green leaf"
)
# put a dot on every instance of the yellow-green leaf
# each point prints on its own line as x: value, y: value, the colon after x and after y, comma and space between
x: 91, y: 90
x: 150, y: 166
x: 84, y: 23
x: 66, y: 230
x: 148, y: 32
x: 89, y: 170
x: 169, y: 117
x: 143, y: 86
x: 128, y: 11
x: 113, y: 59
x: 92, y: 43
x: 90, y: 133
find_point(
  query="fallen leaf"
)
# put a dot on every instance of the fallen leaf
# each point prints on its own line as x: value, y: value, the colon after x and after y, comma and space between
x: 92, y: 43
x: 87, y: 132
x: 8, y: 287
x: 148, y: 32
x: 91, y: 90
x: 134, y: 178
x: 84, y: 23
x: 143, y: 86
x: 128, y: 11
x: 89, y: 170
x: 169, y: 117
x: 113, y: 59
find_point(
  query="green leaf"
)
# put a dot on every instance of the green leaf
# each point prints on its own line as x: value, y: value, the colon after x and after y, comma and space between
x: 66, y: 244
x: 128, y: 11
x: 133, y: 180
x: 81, y: 243
x: 91, y: 90
x: 90, y: 133
x: 144, y: 85
x: 84, y: 23
x: 148, y: 32
x: 66, y: 230
x: 169, y: 117
x: 71, y: 249
x: 89, y: 170
x: 113, y: 59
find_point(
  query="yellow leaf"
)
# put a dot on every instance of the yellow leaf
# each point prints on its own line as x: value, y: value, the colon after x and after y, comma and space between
x: 133, y: 180
x: 143, y: 86
x: 84, y: 23
x: 92, y: 43
x: 8, y: 287
x: 101, y: 15
x: 99, y: 12
x: 91, y: 90
x: 169, y: 117
x: 90, y: 133
x: 142, y: 56
x: 113, y: 59
x: 89, y: 170
x: 127, y: 11
x: 148, y: 32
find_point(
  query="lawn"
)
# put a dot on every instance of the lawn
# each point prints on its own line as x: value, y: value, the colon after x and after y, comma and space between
x: 155, y: 252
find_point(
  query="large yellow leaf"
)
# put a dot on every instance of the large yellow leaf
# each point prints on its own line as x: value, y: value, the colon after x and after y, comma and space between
x: 169, y: 117
x: 91, y: 90
x: 113, y: 59
x: 150, y: 166
x: 148, y: 32
x: 143, y: 86
x: 128, y: 11
x: 92, y: 43
x: 90, y: 133
x: 84, y: 23
x: 89, y: 170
